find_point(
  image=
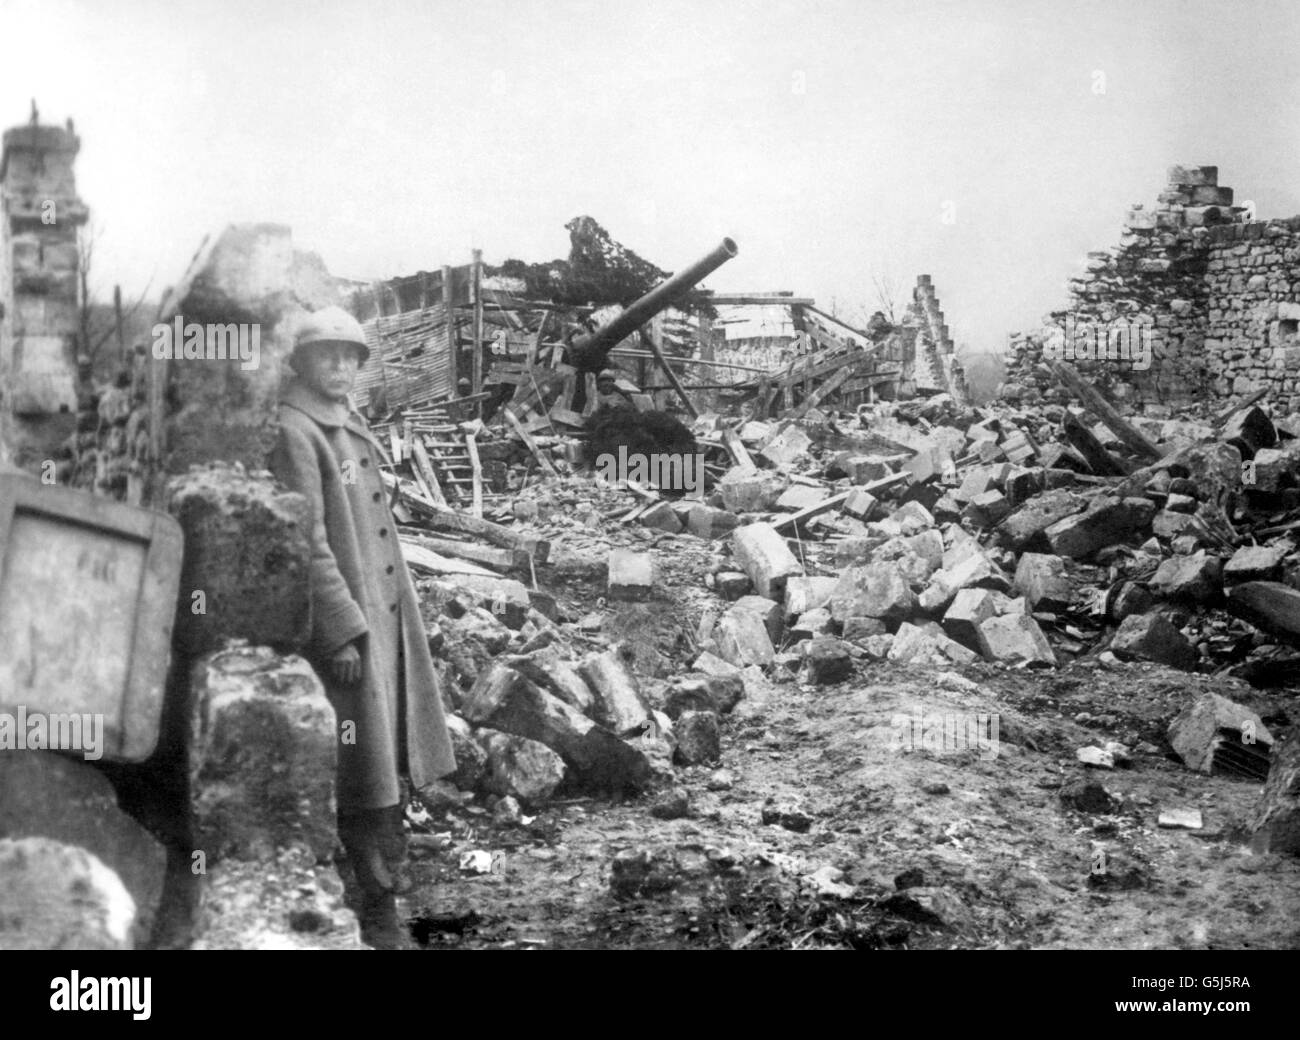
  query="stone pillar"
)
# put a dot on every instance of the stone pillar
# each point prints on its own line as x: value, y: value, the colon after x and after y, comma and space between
x: 40, y: 215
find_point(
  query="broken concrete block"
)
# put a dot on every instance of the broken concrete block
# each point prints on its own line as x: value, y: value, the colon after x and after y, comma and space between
x: 874, y: 591
x: 863, y: 469
x: 52, y: 796
x: 765, y: 557
x: 732, y: 584
x: 912, y: 518
x: 594, y: 755
x: 716, y: 693
x: 751, y: 491
x: 799, y: 496
x: 826, y: 661
x: 1215, y: 735
x: 1198, y: 577
x: 508, y: 600
x: 1152, y: 637
x: 1043, y: 582
x: 1254, y: 563
x: 1167, y: 524
x: 858, y: 629
x: 708, y: 523
x: 556, y: 676
x: 861, y: 505
x: 699, y: 738
x: 987, y: 509
x: 1268, y: 605
x: 929, y: 546
x: 662, y: 517
x: 970, y: 608
x: 1015, y: 639
x: 518, y: 767
x: 712, y: 664
x: 247, y: 552
x: 631, y: 575
x: 1132, y: 598
x: 743, y: 640
x: 1024, y: 529
x: 926, y: 643
x: 811, y: 624
x: 58, y: 896
x: 264, y: 757
x: 1110, y: 520
x: 1180, y: 504
x: 767, y: 611
x: 471, y: 759
x: 1275, y: 823
x: 899, y: 554
x: 786, y: 447
x: 1271, y: 469
x: 620, y: 705
x: 976, y: 571
x: 804, y: 593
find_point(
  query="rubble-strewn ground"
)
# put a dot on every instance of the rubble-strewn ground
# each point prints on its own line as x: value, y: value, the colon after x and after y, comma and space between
x: 1001, y: 861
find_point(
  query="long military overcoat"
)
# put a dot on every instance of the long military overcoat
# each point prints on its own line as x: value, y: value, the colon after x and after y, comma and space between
x: 361, y: 590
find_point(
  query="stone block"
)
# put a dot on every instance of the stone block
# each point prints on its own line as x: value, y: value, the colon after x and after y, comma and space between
x: 47, y: 795
x: 1254, y: 563
x: 247, y: 559
x: 1197, y: 577
x: 708, y: 523
x: 58, y: 896
x: 631, y: 575
x: 521, y: 768
x: 1015, y: 639
x: 765, y: 557
x: 926, y: 643
x: 1109, y: 521
x: 1152, y: 637
x: 1043, y: 582
x: 826, y: 661
x: 874, y: 591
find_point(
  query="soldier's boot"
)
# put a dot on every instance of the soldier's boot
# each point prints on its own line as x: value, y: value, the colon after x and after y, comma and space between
x: 362, y: 835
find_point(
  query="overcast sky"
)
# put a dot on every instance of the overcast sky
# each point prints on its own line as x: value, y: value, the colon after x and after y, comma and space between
x: 829, y: 139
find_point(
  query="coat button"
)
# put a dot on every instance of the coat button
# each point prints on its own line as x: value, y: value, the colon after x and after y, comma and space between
x: 383, y: 532
x: 365, y: 461
x: 392, y: 608
x: 377, y: 496
x: 388, y: 569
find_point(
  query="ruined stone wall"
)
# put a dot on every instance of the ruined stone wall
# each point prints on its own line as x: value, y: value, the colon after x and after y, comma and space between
x: 1197, y: 303
x: 40, y: 215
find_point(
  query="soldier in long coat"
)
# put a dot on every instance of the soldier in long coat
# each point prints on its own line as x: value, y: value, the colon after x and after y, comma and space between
x: 367, y: 642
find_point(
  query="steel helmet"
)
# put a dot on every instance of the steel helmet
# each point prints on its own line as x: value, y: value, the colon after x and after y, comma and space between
x: 331, y: 325
x: 609, y: 373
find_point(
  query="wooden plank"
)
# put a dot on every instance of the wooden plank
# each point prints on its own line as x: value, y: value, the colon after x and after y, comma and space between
x: 424, y: 559
x: 1104, y: 411
x: 486, y: 555
x: 731, y: 439
x: 1233, y: 409
x: 1099, y: 460
x: 447, y: 519
x: 810, y: 402
x: 529, y: 443
x: 425, y: 468
x: 836, y: 500
x: 471, y: 446
x: 476, y: 289
x: 649, y: 341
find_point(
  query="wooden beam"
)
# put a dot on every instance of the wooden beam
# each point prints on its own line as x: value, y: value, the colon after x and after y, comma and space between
x: 449, y: 316
x: 425, y: 468
x: 649, y: 341
x: 810, y: 402
x: 529, y: 443
x: 1099, y: 460
x: 838, y: 499
x: 738, y: 450
x: 471, y: 446
x: 476, y: 290
x: 1104, y: 411
x: 501, y: 559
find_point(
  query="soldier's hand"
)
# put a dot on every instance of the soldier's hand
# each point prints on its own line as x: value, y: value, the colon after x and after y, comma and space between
x: 346, y: 666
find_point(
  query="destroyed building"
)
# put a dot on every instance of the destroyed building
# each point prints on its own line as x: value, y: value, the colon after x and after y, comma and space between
x: 860, y: 517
